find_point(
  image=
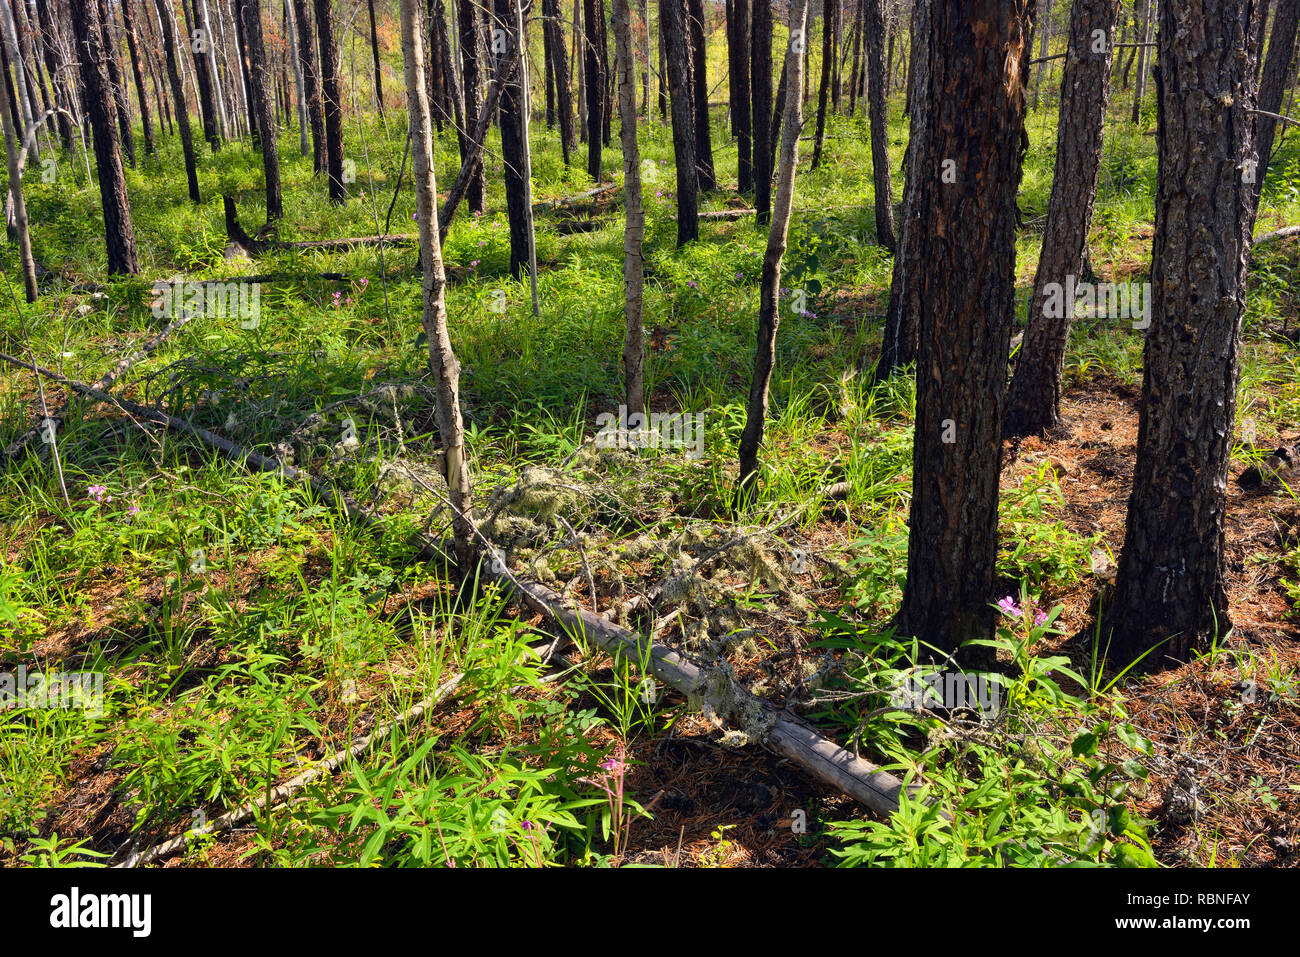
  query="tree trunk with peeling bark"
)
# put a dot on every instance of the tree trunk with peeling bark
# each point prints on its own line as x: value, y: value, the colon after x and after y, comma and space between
x: 1170, y: 583
x: 442, y: 359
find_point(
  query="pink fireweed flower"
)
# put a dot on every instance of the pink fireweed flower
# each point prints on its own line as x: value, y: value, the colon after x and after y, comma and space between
x: 133, y: 510
x: 97, y: 492
x: 337, y: 297
x: 1009, y: 607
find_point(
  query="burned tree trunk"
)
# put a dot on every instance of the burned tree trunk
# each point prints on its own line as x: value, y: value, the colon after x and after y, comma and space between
x: 898, y: 346
x: 968, y: 173
x: 700, y: 93
x: 553, y: 37
x: 442, y: 359
x: 119, y: 235
x: 769, y: 315
x: 593, y: 40
x: 1273, y: 86
x: 673, y: 22
x: 634, y: 230
x: 761, y: 89
x: 1170, y: 582
x: 250, y: 15
x: 374, y: 51
x: 311, y: 83
x: 741, y: 107
x: 873, y: 29
x: 168, y: 21
x: 1034, y: 402
x: 137, y: 74
x: 514, y: 137
x: 470, y: 30
x: 117, y: 82
x: 331, y: 99
x: 824, y: 88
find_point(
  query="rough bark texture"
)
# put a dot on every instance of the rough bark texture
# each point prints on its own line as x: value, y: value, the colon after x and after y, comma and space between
x: 1273, y: 85
x: 331, y: 99
x: 594, y: 83
x: 634, y: 230
x: 898, y: 346
x: 673, y: 14
x: 700, y: 101
x: 553, y: 36
x: 251, y: 17
x: 311, y: 83
x: 769, y: 316
x: 761, y: 90
x: 741, y: 106
x: 119, y: 235
x: 873, y: 29
x: 442, y: 359
x: 968, y: 173
x: 1034, y: 401
x: 1170, y: 576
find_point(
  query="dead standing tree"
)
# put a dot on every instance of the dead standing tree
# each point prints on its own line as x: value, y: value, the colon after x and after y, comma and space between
x: 769, y: 317
x: 442, y: 359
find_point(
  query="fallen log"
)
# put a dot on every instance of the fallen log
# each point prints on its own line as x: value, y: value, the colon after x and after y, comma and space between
x: 569, y: 202
x: 1282, y: 233
x: 704, y: 686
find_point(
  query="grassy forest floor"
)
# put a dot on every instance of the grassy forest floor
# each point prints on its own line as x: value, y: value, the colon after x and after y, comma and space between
x: 247, y: 630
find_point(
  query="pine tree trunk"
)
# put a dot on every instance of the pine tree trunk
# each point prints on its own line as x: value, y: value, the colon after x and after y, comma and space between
x: 168, y: 21
x: 700, y: 92
x: 741, y: 107
x: 873, y: 29
x: 553, y: 37
x: 374, y: 51
x: 311, y: 83
x: 442, y: 358
x: 514, y: 142
x: 331, y: 99
x: 594, y: 84
x: 117, y: 83
x: 50, y: 38
x: 1044, y: 27
x: 203, y: 78
x: 824, y: 88
x: 634, y: 230
x: 970, y: 169
x: 898, y: 345
x: 251, y: 18
x: 761, y: 91
x: 299, y: 81
x: 119, y: 236
x: 769, y: 316
x: 470, y: 29
x: 673, y: 22
x: 1034, y: 401
x: 1144, y: 58
x: 1272, y: 87
x: 1170, y: 581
